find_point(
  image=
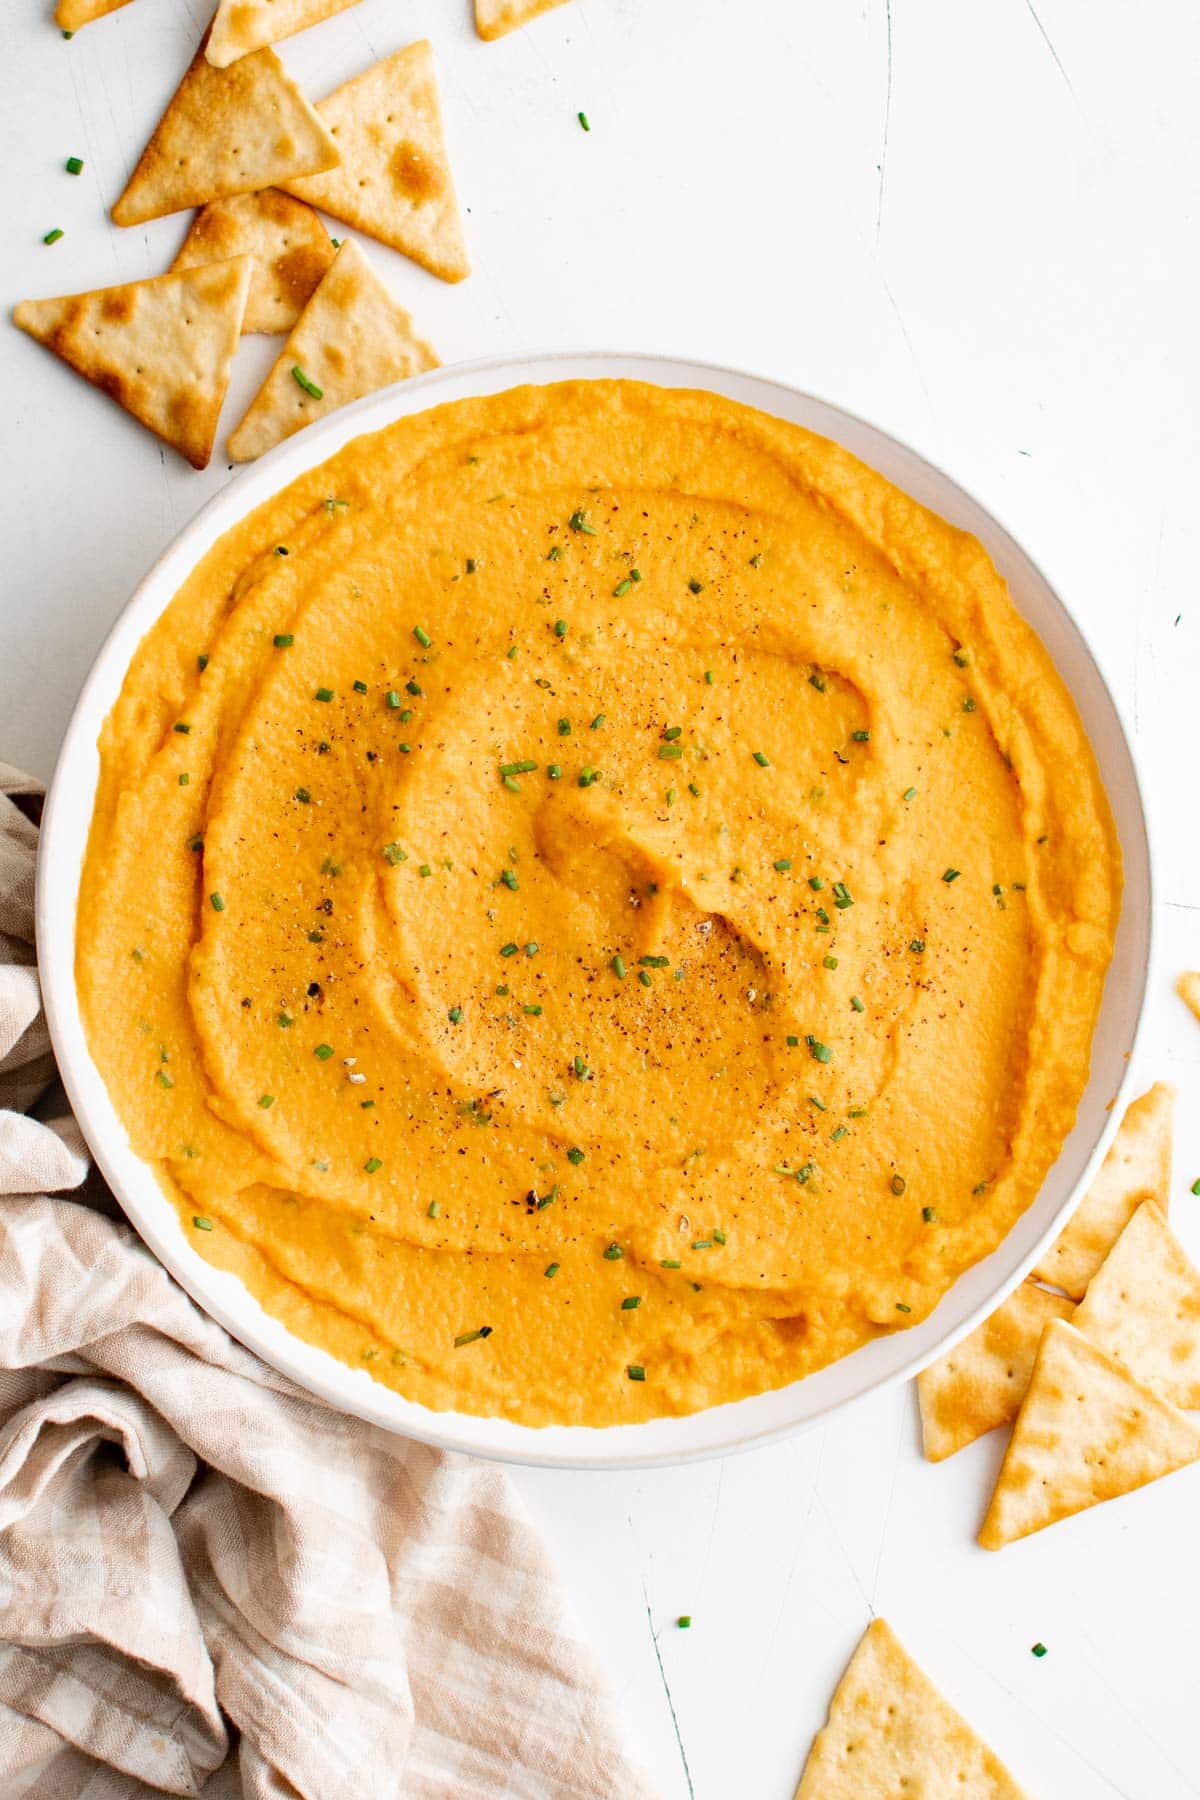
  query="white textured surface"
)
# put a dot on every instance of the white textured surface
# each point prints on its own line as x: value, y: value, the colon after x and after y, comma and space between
x: 976, y: 226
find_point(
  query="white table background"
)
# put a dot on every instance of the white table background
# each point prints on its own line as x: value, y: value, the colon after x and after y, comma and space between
x: 976, y: 224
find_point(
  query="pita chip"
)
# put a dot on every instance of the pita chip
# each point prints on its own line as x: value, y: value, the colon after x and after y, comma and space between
x: 394, y: 181
x: 495, y: 18
x: 290, y: 246
x: 162, y: 349
x: 1137, y: 1168
x: 890, y: 1731
x: 1188, y: 989
x: 981, y: 1382
x: 351, y: 339
x: 71, y: 14
x: 1087, y: 1431
x: 226, y: 131
x: 1144, y: 1307
x: 240, y: 26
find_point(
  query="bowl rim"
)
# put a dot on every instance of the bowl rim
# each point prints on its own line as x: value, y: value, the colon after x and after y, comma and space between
x: 222, y: 1296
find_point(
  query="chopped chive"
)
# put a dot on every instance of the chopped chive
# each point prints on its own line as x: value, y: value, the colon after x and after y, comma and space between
x: 303, y: 796
x: 184, y: 780
x: 393, y: 854
x: 618, y: 967
x: 525, y: 767
x: 898, y: 1184
x: 836, y: 1136
x: 551, y: 1270
x: 635, y: 1372
x: 857, y: 1004
x: 815, y: 883
x: 509, y: 878
x: 323, y: 1052
x: 163, y: 1079
x: 202, y: 661
x: 182, y: 729
x: 564, y: 728
x: 857, y: 1112
x: 670, y: 752
x: 917, y: 946
x: 302, y: 381
x: 613, y: 1253
x: 792, y: 1041
x: 266, y: 1101
x: 202, y: 1224
x: 929, y: 1216
x: 709, y: 678
x: 424, y: 871
x: 588, y: 777
x: 598, y: 721
x: 761, y: 760
x: 1038, y: 1650
x: 534, y: 1011
x: 414, y: 687
x: 702, y: 1244
x: 654, y: 962
x: 392, y: 700
x: 782, y: 864
x: 554, y: 771
x: 581, y: 1069
x: 669, y: 1262
x: 961, y: 657
x: 455, y: 1015
x: 622, y: 588
x: 695, y: 587
x: 644, y: 977
x: 900, y: 1307
x: 583, y: 120
x: 842, y: 897
x: 951, y: 875
x: 829, y: 962
x: 216, y: 902
x: 532, y: 948
x: 283, y: 1020
x: 817, y: 680
x: 422, y: 636
x: 433, y: 1210
x: 575, y: 1155
x: 509, y: 949
x: 578, y: 522
x: 196, y: 843
x: 472, y: 1337
x: 631, y: 1302
x: 910, y: 794
x: 52, y: 237
x: 968, y: 704
x: 684, y: 1621
x: 372, y: 1165
x: 514, y: 787
x: 284, y: 640
x: 719, y: 1237
x: 672, y: 796
x: 820, y: 1052
x: 74, y: 165
x: 672, y: 732
x: 860, y: 737
x: 323, y: 694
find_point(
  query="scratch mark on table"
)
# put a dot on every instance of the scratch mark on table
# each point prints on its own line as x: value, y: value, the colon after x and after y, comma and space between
x: 887, y: 120
x: 1046, y: 39
x: 1137, y: 1723
x: 666, y: 1687
x: 712, y: 1525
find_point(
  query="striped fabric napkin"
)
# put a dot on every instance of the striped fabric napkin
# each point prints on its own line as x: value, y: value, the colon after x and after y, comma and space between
x: 209, y: 1581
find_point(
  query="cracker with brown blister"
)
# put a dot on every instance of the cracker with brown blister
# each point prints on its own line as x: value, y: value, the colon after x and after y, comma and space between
x: 494, y: 18
x: 1087, y: 1431
x: 981, y: 1382
x: 290, y: 246
x: 226, y: 131
x: 240, y: 26
x: 351, y: 339
x: 394, y: 182
x: 1137, y: 1168
x: 890, y: 1731
x: 1143, y: 1307
x: 1188, y: 989
x: 162, y: 349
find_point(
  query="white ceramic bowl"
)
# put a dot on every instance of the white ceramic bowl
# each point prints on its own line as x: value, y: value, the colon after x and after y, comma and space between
x: 722, y: 1428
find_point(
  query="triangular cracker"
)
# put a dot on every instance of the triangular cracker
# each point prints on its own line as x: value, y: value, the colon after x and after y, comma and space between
x: 240, y: 26
x: 71, y: 14
x: 394, y: 182
x: 1143, y: 1307
x: 226, y: 131
x: 981, y: 1382
x: 162, y: 349
x: 493, y: 18
x: 1087, y: 1431
x: 351, y: 339
x: 1188, y: 989
x: 290, y: 246
x: 1137, y: 1168
x: 891, y: 1732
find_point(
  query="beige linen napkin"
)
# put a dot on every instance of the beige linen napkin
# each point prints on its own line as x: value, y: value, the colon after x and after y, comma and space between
x: 206, y: 1573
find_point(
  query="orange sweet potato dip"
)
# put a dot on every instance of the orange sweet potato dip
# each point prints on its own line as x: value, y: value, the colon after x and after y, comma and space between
x: 596, y: 906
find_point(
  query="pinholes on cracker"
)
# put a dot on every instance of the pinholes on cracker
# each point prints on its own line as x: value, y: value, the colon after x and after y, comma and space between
x: 1087, y: 1431
x: 226, y: 131
x: 162, y: 349
x: 240, y: 26
x: 495, y: 18
x: 1137, y: 1168
x: 290, y: 246
x: 351, y: 339
x: 890, y: 1732
x: 394, y: 181
x: 1188, y: 989
x: 1143, y: 1307
x: 981, y: 1382
x: 71, y: 14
